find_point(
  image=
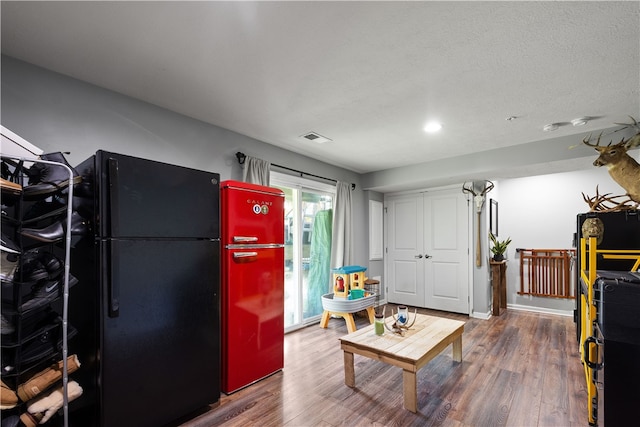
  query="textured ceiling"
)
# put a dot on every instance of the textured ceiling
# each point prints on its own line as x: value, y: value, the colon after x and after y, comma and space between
x: 367, y: 75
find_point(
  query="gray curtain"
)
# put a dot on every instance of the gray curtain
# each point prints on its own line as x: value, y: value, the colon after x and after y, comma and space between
x: 256, y: 171
x: 342, y: 240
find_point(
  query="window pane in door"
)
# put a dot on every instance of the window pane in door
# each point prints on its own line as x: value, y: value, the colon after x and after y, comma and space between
x: 308, y: 225
x: 317, y: 221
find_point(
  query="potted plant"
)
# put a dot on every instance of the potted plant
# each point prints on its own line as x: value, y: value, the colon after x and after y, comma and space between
x: 499, y: 247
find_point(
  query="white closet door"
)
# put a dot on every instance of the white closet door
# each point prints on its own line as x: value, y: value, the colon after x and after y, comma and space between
x: 405, y: 269
x: 446, y: 245
x: 428, y: 250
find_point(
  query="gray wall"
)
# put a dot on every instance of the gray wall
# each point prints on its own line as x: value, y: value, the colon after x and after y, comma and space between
x: 58, y: 113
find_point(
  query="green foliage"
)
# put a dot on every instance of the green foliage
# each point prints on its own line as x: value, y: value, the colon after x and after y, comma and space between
x: 499, y: 247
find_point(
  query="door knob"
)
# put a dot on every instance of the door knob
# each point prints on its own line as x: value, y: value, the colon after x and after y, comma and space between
x: 418, y: 256
x: 428, y: 256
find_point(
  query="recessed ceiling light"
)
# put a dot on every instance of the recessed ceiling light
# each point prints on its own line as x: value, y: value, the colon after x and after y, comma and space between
x: 432, y: 127
x: 550, y: 127
x: 580, y: 121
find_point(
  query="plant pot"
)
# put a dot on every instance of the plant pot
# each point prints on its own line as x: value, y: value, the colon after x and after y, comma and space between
x: 498, y: 258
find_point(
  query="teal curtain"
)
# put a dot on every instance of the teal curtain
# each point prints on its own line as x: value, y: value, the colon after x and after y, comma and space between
x: 319, y: 262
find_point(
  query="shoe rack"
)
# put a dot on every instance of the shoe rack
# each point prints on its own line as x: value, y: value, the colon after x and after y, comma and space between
x: 38, y: 225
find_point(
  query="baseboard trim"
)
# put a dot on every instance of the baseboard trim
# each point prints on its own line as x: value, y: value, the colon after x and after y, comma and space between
x: 487, y: 315
x: 542, y: 310
x: 482, y: 316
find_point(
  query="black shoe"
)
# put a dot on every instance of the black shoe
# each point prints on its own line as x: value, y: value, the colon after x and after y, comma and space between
x: 45, y: 209
x: 45, y: 179
x: 42, y: 344
x: 57, y: 207
x: 31, y: 269
x: 8, y: 246
x: 37, y: 265
x: 32, y: 325
x: 56, y: 231
x: 45, y: 292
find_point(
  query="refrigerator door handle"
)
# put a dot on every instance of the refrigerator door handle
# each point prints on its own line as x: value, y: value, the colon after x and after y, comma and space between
x: 113, y: 285
x: 113, y: 193
x: 244, y: 239
x: 244, y: 255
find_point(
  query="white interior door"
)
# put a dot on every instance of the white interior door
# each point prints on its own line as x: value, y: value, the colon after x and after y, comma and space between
x: 427, y: 251
x: 405, y: 266
x: 446, y: 256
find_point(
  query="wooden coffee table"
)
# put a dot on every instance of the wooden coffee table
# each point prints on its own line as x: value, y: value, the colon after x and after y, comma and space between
x: 426, y: 339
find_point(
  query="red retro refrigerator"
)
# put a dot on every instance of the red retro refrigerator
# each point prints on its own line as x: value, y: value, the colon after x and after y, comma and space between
x: 252, y: 288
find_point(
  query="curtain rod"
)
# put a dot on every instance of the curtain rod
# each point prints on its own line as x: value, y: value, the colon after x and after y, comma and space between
x: 241, y: 158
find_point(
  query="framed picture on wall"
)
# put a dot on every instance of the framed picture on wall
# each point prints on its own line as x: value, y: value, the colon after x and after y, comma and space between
x: 493, y: 217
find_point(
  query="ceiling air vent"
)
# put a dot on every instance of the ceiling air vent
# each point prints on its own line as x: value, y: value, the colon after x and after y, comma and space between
x: 317, y: 138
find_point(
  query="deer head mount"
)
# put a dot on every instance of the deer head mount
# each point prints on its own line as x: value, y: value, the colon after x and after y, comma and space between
x: 478, y: 197
x: 623, y: 168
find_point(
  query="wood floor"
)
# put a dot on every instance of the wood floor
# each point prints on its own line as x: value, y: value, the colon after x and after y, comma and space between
x: 519, y: 369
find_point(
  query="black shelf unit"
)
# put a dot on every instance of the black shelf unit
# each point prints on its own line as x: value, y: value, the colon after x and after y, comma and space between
x: 35, y: 283
x: 608, y: 316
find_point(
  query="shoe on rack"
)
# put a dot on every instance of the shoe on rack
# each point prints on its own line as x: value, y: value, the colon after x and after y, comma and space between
x: 56, y: 231
x: 46, y: 378
x: 38, y: 264
x: 45, y: 292
x: 32, y: 268
x: 44, y: 344
x: 51, y: 263
x: 45, y: 178
x: 8, y: 398
x: 43, y: 209
x: 41, y: 410
x: 33, y: 324
x: 9, y: 187
x: 57, y: 206
x: 8, y: 246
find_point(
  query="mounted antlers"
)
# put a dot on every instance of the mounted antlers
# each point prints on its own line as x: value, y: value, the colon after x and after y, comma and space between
x: 479, y: 200
x: 607, y: 203
x: 623, y: 168
x: 478, y: 197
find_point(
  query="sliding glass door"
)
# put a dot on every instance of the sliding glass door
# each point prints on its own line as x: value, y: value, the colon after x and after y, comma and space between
x: 307, y: 227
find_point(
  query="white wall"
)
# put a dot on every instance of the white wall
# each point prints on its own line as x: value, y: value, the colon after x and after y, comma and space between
x: 540, y: 212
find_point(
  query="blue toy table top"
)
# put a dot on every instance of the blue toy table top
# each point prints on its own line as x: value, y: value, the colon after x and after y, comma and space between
x: 348, y: 269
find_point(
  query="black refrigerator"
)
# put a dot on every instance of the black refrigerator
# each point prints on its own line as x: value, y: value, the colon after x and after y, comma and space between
x: 147, y: 300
